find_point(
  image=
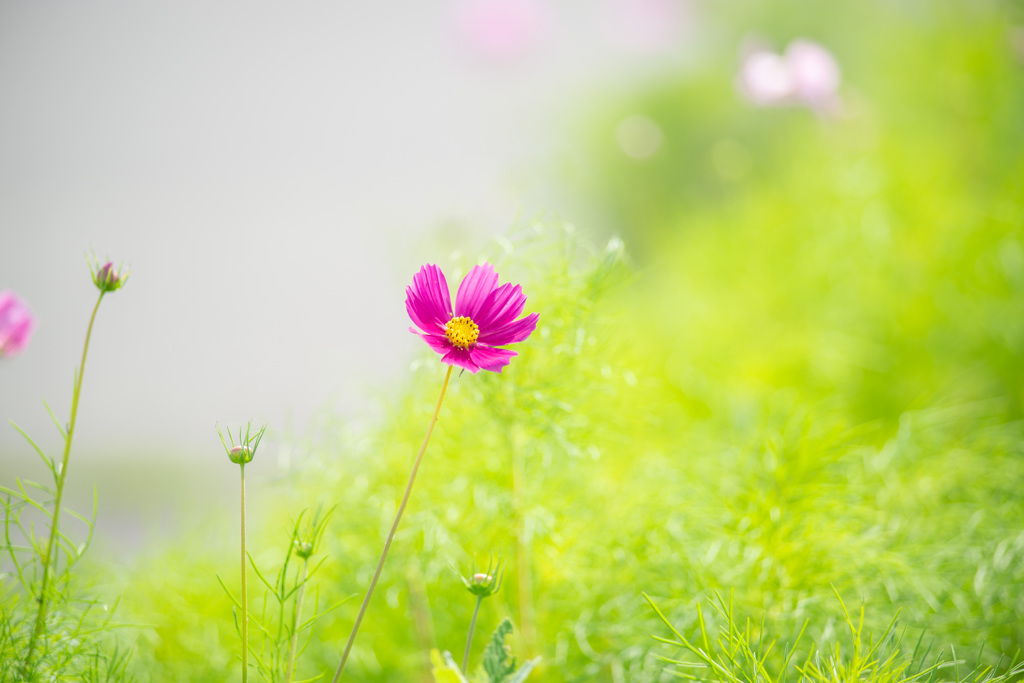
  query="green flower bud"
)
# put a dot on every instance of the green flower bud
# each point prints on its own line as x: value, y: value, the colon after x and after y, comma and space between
x: 485, y: 584
x: 242, y: 452
x: 240, y: 455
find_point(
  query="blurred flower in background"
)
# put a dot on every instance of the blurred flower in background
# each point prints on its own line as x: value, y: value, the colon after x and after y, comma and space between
x: 502, y: 29
x: 16, y: 324
x: 806, y: 75
x: 646, y: 26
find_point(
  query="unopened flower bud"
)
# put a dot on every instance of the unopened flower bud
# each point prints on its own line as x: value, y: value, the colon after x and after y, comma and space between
x: 242, y: 450
x: 303, y: 549
x: 485, y: 584
x: 240, y: 455
x: 107, y: 279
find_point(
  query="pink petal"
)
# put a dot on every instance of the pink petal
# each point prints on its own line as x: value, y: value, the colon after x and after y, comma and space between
x: 421, y: 313
x: 438, y: 342
x: 489, y: 358
x: 427, y: 301
x: 473, y: 291
x: 502, y: 306
x: 511, y: 333
x: 461, y: 358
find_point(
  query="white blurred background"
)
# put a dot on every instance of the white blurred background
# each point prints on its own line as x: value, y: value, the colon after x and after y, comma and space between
x: 273, y: 173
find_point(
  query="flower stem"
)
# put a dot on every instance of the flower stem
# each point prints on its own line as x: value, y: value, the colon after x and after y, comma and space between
x: 290, y: 670
x: 472, y: 628
x: 394, y: 527
x: 245, y: 602
x: 50, y: 557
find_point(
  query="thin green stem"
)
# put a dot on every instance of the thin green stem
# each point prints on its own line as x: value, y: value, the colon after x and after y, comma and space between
x: 245, y: 601
x: 394, y: 527
x: 50, y: 557
x: 472, y: 628
x: 293, y: 647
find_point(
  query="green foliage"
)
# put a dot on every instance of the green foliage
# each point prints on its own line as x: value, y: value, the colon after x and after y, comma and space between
x: 281, y: 621
x: 741, y: 652
x: 498, y: 665
x: 813, y: 378
x: 50, y: 627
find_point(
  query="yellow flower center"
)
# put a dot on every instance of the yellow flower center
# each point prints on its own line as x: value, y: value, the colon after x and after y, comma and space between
x: 461, y: 331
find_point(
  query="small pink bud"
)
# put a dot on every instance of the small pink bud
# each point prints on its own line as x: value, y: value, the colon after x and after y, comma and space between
x: 107, y: 279
x: 16, y: 324
x: 481, y: 578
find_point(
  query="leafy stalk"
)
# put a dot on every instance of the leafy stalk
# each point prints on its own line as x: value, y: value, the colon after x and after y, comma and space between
x: 49, y: 558
x: 296, y: 620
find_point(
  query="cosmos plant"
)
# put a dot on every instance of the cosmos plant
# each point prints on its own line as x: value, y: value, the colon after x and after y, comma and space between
x: 107, y: 279
x: 241, y: 453
x: 485, y: 317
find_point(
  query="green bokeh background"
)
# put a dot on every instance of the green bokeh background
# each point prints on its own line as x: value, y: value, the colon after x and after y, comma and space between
x: 799, y: 372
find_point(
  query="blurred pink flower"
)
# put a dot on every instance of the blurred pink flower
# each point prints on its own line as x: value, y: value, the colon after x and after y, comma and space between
x: 646, y: 25
x: 16, y: 324
x: 814, y: 71
x: 806, y: 75
x: 502, y: 28
x: 485, y: 317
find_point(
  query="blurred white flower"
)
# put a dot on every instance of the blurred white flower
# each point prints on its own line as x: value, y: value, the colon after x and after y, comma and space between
x: 814, y: 72
x: 502, y: 29
x: 807, y: 74
x: 765, y: 79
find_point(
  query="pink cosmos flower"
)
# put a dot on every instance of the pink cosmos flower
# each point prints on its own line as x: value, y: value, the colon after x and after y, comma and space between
x: 16, y: 324
x: 484, y: 318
